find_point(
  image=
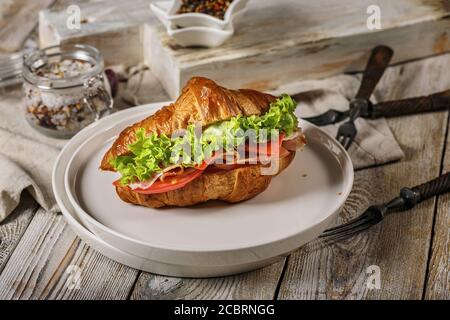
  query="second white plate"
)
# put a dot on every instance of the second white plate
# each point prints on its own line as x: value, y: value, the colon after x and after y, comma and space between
x: 298, y: 205
x: 71, y: 216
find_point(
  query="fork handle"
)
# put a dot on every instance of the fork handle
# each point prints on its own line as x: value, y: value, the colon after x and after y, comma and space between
x: 434, y: 102
x: 422, y: 192
x: 377, y: 64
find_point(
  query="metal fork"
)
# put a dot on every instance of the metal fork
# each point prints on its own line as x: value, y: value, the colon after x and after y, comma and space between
x: 433, y: 102
x: 408, y: 198
x: 347, y: 131
x: 377, y: 64
x: 11, y: 69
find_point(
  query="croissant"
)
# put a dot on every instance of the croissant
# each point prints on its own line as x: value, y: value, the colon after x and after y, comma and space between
x: 230, y: 186
x: 201, y: 101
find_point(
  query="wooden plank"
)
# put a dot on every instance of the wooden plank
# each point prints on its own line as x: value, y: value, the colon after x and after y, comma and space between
x: 13, y: 227
x: 44, y: 238
x: 400, y: 245
x: 438, y: 277
x: 278, y: 41
x: 100, y: 277
x: 17, y: 19
x: 259, y: 284
x: 46, y: 261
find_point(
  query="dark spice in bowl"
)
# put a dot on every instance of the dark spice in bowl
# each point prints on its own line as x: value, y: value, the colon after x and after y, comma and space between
x: 215, y: 8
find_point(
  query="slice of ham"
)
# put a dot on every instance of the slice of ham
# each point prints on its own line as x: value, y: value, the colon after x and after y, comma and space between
x: 145, y: 184
x: 227, y: 166
x: 283, y: 152
x: 295, y: 141
x: 292, y: 143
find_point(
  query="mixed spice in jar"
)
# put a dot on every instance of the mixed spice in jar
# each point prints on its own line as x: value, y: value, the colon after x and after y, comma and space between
x: 215, y: 8
x: 65, y: 89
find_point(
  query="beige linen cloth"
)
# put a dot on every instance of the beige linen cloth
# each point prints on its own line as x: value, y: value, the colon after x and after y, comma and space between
x: 27, y: 157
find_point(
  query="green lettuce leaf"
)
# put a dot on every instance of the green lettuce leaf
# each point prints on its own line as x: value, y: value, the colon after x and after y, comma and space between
x: 150, y: 153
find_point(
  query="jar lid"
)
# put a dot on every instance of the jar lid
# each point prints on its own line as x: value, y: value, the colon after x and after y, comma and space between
x: 38, y: 59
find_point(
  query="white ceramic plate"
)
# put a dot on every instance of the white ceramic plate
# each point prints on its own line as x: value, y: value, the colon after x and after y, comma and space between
x: 292, y: 211
x: 118, y: 255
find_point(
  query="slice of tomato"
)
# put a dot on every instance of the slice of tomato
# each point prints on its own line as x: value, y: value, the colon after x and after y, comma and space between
x: 173, y: 179
x: 264, y: 148
x: 171, y: 183
x: 178, y: 181
x: 208, y: 161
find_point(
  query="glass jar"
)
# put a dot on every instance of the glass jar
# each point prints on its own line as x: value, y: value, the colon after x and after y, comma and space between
x: 65, y: 89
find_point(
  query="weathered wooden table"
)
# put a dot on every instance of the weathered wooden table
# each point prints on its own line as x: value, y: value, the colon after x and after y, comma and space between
x: 39, y: 253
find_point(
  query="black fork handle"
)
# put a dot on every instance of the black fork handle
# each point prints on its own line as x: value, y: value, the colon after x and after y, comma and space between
x: 377, y: 64
x: 434, y: 102
x: 422, y: 192
x: 434, y: 187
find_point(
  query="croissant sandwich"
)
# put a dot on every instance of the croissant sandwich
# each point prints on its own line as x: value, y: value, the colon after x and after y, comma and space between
x: 212, y: 143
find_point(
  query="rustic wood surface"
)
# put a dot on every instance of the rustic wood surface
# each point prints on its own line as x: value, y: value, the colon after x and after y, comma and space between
x: 274, y: 38
x: 39, y: 251
x: 271, y: 43
x: 260, y: 284
x: 40, y: 255
x: 438, y: 275
x: 400, y: 246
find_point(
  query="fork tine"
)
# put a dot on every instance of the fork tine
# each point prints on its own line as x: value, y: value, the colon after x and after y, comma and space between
x: 318, y: 120
x: 5, y: 66
x: 350, y: 222
x: 347, y: 234
x: 14, y: 56
x: 325, y: 118
x: 348, y: 143
x: 329, y: 117
x: 10, y: 75
x: 10, y: 81
x: 4, y: 61
x: 10, y: 68
x: 340, y: 138
x: 344, y: 227
x: 9, y: 71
